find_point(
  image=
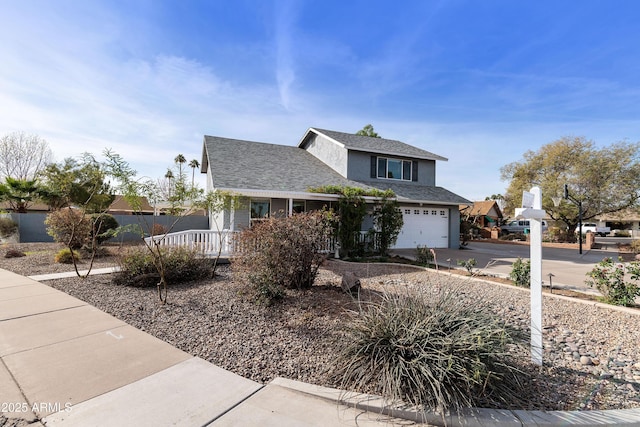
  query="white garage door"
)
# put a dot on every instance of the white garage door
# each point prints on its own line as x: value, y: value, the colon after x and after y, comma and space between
x: 424, y: 226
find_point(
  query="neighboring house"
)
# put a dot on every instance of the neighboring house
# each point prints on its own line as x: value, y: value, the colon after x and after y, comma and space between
x: 486, y: 213
x: 120, y: 206
x: 627, y: 220
x: 38, y: 207
x: 276, y: 179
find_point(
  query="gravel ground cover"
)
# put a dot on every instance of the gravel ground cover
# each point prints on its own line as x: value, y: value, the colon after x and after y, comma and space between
x: 591, y: 356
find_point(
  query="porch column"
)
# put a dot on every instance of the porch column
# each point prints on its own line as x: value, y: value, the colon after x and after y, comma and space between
x: 232, y: 216
x: 290, y: 207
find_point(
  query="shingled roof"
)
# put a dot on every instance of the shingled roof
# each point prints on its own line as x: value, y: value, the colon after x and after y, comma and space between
x: 373, y: 145
x: 247, y: 165
x: 260, y: 166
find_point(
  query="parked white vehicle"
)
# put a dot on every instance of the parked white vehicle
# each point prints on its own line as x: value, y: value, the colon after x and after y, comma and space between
x: 594, y: 228
x: 519, y: 226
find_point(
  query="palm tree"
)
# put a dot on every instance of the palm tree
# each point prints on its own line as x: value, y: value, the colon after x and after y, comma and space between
x: 20, y: 193
x: 180, y: 160
x: 193, y: 164
x: 169, y: 176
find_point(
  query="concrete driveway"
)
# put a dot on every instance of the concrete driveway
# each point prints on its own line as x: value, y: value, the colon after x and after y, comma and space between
x: 568, y: 267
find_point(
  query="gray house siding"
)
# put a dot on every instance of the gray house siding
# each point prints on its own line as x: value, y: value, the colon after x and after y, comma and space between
x: 359, y: 169
x: 454, y: 228
x: 328, y: 151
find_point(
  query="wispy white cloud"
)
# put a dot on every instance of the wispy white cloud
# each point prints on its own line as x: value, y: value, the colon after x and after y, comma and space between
x: 285, y: 70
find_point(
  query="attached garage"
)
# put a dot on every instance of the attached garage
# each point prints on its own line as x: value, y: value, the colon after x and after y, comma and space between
x: 425, y: 226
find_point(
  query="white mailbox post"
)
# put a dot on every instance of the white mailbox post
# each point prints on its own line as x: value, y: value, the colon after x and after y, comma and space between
x: 532, y: 210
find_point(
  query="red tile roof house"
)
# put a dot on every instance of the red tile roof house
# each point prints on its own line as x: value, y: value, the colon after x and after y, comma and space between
x: 278, y: 178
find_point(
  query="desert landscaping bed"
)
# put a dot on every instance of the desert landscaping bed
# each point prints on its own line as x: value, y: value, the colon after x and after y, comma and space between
x: 591, y: 358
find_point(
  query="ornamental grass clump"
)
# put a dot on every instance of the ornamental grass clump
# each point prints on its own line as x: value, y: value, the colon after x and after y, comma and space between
x: 438, y: 353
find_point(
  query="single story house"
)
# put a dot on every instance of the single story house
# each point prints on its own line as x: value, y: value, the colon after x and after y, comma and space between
x: 278, y: 178
x: 484, y: 213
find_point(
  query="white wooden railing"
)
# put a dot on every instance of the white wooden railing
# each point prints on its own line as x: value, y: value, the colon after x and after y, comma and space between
x: 207, y: 242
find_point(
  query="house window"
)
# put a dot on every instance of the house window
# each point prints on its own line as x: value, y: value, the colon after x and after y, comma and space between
x: 443, y: 213
x: 416, y: 211
x: 298, y: 206
x: 434, y: 213
x: 407, y: 211
x: 425, y: 212
x: 260, y: 209
x: 394, y: 169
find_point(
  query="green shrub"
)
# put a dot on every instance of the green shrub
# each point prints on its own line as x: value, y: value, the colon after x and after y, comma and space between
x: 65, y: 256
x: 521, y: 273
x: 609, y: 278
x: 281, y: 253
x: 103, y: 225
x: 622, y: 233
x: 438, y: 353
x: 468, y: 264
x: 181, y: 265
x: 70, y: 227
x: 423, y: 255
x: 7, y: 227
x: 635, y: 246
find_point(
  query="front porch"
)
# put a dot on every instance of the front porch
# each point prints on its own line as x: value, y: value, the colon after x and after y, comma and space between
x: 211, y: 243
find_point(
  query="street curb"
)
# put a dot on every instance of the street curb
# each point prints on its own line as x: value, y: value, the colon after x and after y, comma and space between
x: 470, y: 417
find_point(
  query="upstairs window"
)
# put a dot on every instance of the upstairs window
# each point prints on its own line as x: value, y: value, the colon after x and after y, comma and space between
x: 394, y: 169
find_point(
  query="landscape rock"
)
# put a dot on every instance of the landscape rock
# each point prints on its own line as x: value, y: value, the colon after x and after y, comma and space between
x: 351, y: 283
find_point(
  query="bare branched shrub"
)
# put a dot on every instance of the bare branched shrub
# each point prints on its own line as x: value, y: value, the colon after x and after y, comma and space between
x: 282, y: 253
x: 70, y: 227
x: 158, y: 229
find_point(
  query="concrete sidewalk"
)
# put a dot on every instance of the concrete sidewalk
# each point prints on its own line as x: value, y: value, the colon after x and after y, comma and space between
x: 66, y: 363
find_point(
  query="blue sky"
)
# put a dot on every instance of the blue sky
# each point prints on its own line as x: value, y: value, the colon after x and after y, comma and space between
x: 478, y: 82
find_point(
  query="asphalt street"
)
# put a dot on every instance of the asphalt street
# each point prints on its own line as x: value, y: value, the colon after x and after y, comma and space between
x: 567, y: 266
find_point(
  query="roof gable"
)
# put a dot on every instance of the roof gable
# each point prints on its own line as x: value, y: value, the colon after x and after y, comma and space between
x: 373, y: 145
x: 489, y: 208
x: 260, y: 166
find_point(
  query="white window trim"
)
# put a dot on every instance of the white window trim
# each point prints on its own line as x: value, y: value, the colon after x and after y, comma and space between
x: 386, y: 171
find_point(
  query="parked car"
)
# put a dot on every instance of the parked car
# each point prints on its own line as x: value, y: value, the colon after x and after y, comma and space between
x: 520, y: 226
x: 594, y: 228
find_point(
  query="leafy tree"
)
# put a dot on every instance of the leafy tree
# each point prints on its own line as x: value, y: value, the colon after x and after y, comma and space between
x: 368, y: 131
x: 78, y: 192
x: 134, y: 189
x: 605, y: 179
x: 81, y: 183
x: 216, y: 202
x: 352, y: 209
x: 19, y: 193
x: 387, y: 218
x: 23, y: 155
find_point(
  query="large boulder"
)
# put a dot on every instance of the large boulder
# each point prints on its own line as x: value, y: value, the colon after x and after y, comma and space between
x: 350, y: 283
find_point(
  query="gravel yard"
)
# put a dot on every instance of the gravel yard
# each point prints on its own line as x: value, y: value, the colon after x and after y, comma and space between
x: 592, y: 354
